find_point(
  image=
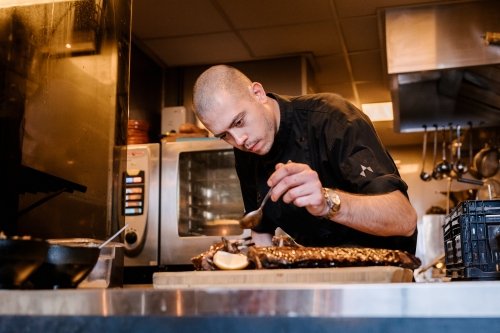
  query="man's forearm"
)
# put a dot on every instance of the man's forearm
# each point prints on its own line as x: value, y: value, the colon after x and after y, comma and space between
x: 388, y: 214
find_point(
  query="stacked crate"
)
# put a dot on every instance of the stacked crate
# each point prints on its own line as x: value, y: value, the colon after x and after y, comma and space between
x: 472, y: 240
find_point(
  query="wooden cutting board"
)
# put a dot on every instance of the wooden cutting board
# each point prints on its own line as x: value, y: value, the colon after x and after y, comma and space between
x: 368, y: 274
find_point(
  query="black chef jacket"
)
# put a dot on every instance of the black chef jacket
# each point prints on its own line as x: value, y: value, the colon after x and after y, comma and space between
x: 339, y: 142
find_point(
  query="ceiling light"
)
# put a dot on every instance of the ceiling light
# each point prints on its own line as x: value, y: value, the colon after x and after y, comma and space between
x: 378, y: 111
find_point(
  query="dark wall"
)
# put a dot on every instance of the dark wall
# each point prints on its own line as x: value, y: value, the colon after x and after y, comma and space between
x: 289, y: 76
x: 146, y: 77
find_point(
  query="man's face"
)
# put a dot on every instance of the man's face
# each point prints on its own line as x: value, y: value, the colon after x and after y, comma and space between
x: 246, y: 123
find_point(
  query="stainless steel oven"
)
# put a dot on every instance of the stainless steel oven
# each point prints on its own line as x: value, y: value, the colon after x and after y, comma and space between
x: 190, y: 203
x: 200, y: 198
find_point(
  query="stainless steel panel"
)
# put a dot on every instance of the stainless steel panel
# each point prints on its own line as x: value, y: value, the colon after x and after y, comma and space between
x: 441, y: 69
x: 395, y: 300
x: 441, y: 36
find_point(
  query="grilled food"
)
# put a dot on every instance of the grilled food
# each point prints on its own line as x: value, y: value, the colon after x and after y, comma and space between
x: 308, y: 257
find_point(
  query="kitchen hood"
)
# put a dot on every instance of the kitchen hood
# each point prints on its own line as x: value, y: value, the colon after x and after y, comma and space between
x: 443, y: 65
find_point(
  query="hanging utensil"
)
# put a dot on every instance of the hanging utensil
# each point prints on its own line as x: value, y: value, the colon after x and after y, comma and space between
x: 443, y: 168
x: 452, y: 157
x: 486, y: 161
x: 434, y: 153
x: 459, y: 166
x: 423, y: 174
x: 470, y: 168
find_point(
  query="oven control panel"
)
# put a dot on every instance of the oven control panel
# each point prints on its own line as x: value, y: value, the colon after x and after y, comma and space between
x: 133, y: 201
x: 138, y: 182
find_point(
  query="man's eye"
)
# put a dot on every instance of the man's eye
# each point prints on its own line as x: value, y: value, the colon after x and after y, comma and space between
x: 239, y: 123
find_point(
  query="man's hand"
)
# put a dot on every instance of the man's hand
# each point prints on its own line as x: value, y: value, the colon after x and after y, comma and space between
x: 297, y: 183
x: 388, y: 214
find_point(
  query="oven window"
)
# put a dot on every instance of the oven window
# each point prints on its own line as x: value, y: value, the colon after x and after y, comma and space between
x: 210, y: 195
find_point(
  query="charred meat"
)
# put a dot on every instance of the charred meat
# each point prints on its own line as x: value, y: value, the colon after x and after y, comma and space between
x: 308, y: 257
x: 289, y: 255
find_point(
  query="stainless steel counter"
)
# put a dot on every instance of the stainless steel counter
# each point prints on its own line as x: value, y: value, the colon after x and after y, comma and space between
x: 393, y: 305
x: 456, y: 299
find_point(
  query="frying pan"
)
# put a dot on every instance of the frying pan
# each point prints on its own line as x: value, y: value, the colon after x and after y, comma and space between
x: 18, y: 259
x: 65, y: 266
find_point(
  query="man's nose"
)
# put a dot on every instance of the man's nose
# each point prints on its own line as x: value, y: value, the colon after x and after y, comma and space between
x: 238, y: 137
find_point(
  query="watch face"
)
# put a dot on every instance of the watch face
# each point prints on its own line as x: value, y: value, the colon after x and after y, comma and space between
x: 336, y: 199
x: 333, y: 202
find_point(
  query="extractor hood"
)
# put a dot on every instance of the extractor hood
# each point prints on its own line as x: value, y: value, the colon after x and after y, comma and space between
x: 441, y: 65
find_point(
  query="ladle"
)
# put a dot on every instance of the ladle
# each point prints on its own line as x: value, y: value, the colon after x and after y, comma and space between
x: 460, y: 167
x: 443, y: 168
x: 434, y: 153
x: 423, y: 174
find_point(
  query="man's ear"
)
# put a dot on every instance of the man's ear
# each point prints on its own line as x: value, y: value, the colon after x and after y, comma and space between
x: 259, y: 92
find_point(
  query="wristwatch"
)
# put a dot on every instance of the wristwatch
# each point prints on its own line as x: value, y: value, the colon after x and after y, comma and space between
x: 332, y: 201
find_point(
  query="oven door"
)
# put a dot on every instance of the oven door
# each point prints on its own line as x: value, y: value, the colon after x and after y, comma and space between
x: 200, y: 198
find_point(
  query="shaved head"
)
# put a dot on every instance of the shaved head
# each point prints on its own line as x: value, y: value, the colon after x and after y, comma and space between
x: 216, y: 80
x: 235, y: 109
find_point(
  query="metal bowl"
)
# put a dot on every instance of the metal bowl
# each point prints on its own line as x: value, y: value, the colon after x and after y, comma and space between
x: 65, y: 266
x: 19, y: 258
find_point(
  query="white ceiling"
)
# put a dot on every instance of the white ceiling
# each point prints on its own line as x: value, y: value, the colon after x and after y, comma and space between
x: 344, y: 38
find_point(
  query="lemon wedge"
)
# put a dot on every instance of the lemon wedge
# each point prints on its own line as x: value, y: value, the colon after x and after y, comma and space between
x: 226, y: 260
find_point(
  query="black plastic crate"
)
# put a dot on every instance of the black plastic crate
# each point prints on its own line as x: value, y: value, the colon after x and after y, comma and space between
x: 472, y: 240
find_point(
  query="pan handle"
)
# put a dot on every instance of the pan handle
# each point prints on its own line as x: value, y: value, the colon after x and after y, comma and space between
x: 470, y: 181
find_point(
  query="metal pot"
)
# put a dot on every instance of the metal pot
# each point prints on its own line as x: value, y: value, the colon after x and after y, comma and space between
x: 65, y: 266
x: 486, y: 162
x: 19, y: 258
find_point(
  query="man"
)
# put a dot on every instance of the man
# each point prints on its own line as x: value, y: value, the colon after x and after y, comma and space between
x: 319, y: 154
